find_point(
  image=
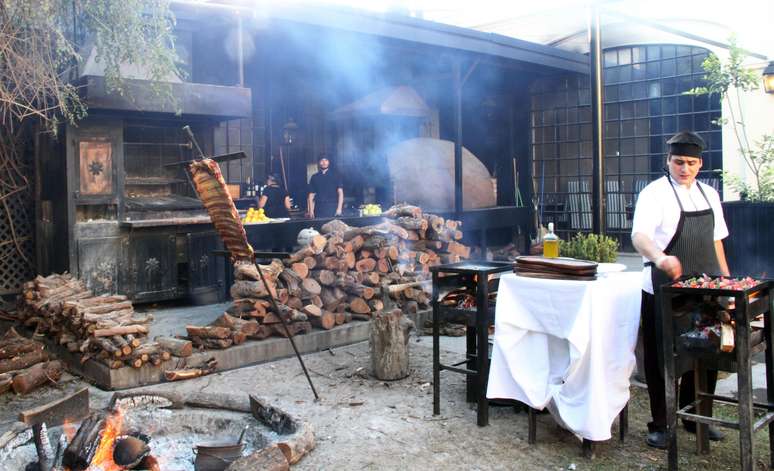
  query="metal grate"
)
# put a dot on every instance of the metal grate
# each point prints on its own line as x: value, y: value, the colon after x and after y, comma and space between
x: 16, y: 255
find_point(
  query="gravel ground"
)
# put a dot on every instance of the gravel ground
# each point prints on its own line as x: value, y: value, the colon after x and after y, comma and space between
x: 364, y: 423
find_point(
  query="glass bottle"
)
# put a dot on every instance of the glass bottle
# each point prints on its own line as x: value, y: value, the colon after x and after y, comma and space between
x: 550, y: 243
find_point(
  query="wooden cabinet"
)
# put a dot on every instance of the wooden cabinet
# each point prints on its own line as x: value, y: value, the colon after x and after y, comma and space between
x: 150, y: 272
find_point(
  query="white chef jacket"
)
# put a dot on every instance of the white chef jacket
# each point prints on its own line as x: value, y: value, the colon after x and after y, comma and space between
x: 657, y: 214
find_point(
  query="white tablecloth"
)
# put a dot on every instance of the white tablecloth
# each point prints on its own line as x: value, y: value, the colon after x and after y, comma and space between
x: 568, y: 346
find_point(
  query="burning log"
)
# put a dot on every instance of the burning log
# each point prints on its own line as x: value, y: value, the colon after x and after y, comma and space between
x: 79, y: 453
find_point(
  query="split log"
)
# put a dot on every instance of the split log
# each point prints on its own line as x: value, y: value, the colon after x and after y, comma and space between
x: 293, y: 302
x: 357, y: 242
x: 36, y: 376
x: 334, y: 226
x: 310, y: 262
x: 359, y: 306
x: 80, y: 451
x: 212, y: 342
x: 269, y: 458
x: 132, y: 340
x: 324, y: 277
x: 252, y: 289
x: 301, y: 269
x: 235, y: 324
x: 349, y: 260
x: 400, y: 210
x: 317, y: 244
x: 366, y: 292
x: 412, y: 223
x: 388, y: 340
x: 292, y: 280
x: 376, y: 305
x: 311, y: 287
x: 6, y: 381
x: 23, y: 361
x: 329, y: 299
x: 106, y: 308
x: 208, y: 332
x: 122, y: 344
x: 383, y: 265
x: 177, y: 347
x: 301, y: 254
x: 365, y: 265
x: 129, y: 329
x: 17, y: 348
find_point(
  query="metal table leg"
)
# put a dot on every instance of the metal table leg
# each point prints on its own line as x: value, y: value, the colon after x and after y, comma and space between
x: 482, y: 354
x: 769, y: 335
x: 436, y: 350
x: 669, y: 381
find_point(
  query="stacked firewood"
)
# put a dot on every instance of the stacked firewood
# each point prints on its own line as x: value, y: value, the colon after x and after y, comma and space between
x: 102, y: 327
x: 345, y: 273
x: 24, y: 364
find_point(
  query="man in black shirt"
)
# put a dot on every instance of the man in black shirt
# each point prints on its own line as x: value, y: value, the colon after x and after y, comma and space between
x: 274, y: 200
x: 326, y: 192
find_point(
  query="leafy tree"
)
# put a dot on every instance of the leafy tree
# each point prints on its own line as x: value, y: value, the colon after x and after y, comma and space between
x: 723, y: 78
x: 41, y: 43
x: 41, y: 47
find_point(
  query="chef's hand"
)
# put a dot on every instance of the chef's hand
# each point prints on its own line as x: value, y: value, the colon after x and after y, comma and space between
x: 338, y: 213
x: 310, y: 214
x: 670, y: 265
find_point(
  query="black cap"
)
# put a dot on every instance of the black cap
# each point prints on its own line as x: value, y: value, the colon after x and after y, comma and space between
x: 686, y: 143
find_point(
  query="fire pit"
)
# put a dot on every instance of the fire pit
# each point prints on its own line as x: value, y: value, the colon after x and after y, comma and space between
x: 155, y: 431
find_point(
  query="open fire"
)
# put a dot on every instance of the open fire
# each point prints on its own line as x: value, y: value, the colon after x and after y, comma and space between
x: 171, y: 433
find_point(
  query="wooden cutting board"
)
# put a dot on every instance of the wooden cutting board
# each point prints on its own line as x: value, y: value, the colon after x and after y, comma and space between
x: 550, y: 269
x: 564, y: 264
x: 554, y: 276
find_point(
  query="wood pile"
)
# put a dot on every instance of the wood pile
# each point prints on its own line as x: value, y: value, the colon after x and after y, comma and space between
x: 343, y: 274
x: 24, y: 364
x: 104, y: 328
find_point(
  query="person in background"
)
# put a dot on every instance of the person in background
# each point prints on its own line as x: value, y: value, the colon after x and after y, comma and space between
x: 326, y: 191
x: 274, y: 199
x: 678, y: 229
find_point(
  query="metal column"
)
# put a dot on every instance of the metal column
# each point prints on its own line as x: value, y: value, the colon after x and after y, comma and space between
x: 598, y: 121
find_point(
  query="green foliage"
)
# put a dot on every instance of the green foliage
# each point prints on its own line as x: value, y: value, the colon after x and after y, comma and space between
x: 732, y: 75
x: 593, y: 247
x: 44, y: 43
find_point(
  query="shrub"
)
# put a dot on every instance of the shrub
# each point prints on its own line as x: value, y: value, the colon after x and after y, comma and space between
x: 593, y: 247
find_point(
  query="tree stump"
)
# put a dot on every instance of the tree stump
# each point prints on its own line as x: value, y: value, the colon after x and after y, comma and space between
x: 388, y: 339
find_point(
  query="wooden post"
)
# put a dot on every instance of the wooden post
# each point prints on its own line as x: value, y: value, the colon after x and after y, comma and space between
x: 388, y: 340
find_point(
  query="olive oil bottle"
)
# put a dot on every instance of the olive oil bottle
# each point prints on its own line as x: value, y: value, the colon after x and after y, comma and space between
x: 550, y: 243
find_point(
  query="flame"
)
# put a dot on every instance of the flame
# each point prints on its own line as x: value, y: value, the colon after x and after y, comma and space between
x: 69, y: 430
x: 103, y: 458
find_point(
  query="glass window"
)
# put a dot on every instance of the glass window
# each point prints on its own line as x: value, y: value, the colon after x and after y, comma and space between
x: 669, y: 105
x: 627, y: 128
x: 638, y: 54
x: 641, y: 127
x: 654, y: 53
x: 654, y: 89
x: 624, y: 56
x: 667, y: 52
x: 639, y: 90
x: 627, y: 110
x: 638, y: 71
x: 641, y: 109
x: 685, y: 104
x: 611, y: 93
x: 611, y: 111
x: 668, y: 68
x: 611, y: 58
x: 683, y: 65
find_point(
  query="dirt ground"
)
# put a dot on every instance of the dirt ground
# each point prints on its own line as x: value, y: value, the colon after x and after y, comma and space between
x: 362, y: 423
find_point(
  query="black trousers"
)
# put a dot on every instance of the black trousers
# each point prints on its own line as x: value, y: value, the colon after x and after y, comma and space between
x: 325, y: 209
x: 654, y: 374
